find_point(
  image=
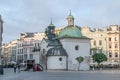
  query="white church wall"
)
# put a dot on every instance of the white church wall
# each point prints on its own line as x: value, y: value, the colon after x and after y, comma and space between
x: 53, y: 62
x: 44, y: 47
x: 83, y: 50
x: 36, y: 57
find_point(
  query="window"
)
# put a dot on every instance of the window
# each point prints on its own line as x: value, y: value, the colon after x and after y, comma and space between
x: 25, y: 56
x: 109, y: 38
x: 31, y: 56
x: 22, y: 57
x: 60, y: 59
x: 116, y: 46
x: 115, y: 39
x: 110, y: 54
x: 94, y: 43
x: 35, y: 45
x: 116, y: 54
x: 31, y: 49
x: 100, y: 42
x: 76, y: 47
x: 22, y: 51
x: 110, y: 46
x: 38, y: 44
x: 25, y: 50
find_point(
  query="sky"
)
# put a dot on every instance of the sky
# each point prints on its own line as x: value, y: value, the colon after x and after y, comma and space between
x: 22, y: 16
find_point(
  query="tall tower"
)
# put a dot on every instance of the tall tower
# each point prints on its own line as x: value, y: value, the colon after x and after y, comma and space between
x: 70, y: 20
x: 50, y: 31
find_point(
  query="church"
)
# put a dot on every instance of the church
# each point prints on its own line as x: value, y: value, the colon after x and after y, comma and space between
x: 60, y: 52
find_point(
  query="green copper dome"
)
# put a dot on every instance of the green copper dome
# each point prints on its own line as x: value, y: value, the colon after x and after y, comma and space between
x: 70, y: 17
x: 70, y: 32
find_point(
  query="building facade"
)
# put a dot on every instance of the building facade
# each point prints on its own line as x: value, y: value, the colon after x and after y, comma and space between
x: 106, y: 40
x: 113, y: 43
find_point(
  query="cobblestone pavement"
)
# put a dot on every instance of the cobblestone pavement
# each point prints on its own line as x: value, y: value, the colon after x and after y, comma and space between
x: 61, y: 75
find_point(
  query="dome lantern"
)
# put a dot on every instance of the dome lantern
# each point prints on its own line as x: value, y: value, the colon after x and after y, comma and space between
x: 70, y: 20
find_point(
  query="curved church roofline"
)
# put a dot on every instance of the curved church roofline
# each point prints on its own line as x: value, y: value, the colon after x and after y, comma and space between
x: 66, y: 36
x: 57, y: 51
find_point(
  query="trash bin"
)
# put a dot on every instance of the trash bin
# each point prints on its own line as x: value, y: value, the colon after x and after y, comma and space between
x: 1, y: 70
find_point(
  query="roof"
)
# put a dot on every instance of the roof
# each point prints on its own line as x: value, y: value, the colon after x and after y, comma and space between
x: 54, y: 42
x: 83, y: 37
x: 27, y: 35
x: 70, y: 32
x: 56, y: 51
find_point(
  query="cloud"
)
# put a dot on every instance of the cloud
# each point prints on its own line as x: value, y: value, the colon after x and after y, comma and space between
x: 34, y: 15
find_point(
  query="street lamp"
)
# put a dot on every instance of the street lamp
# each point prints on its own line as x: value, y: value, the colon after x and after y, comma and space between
x: 1, y: 66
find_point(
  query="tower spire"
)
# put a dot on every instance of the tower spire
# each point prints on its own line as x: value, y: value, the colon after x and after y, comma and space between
x: 51, y: 24
x: 70, y: 12
x: 50, y: 20
x: 50, y: 30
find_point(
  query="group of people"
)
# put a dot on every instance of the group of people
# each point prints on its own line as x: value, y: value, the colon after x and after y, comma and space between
x: 35, y: 67
x: 17, y: 67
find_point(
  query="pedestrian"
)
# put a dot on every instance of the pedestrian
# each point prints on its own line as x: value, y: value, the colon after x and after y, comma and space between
x: 33, y: 67
x: 18, y: 68
x: 15, y: 68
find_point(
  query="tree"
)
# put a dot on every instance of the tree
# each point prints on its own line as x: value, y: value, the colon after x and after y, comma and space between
x: 99, y: 57
x: 79, y: 59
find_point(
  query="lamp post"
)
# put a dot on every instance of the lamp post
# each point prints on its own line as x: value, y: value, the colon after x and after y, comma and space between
x: 1, y: 66
x: 1, y: 31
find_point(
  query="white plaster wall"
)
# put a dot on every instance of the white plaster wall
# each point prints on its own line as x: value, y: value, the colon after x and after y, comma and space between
x: 36, y: 57
x: 53, y: 62
x: 69, y: 46
x: 43, y: 45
